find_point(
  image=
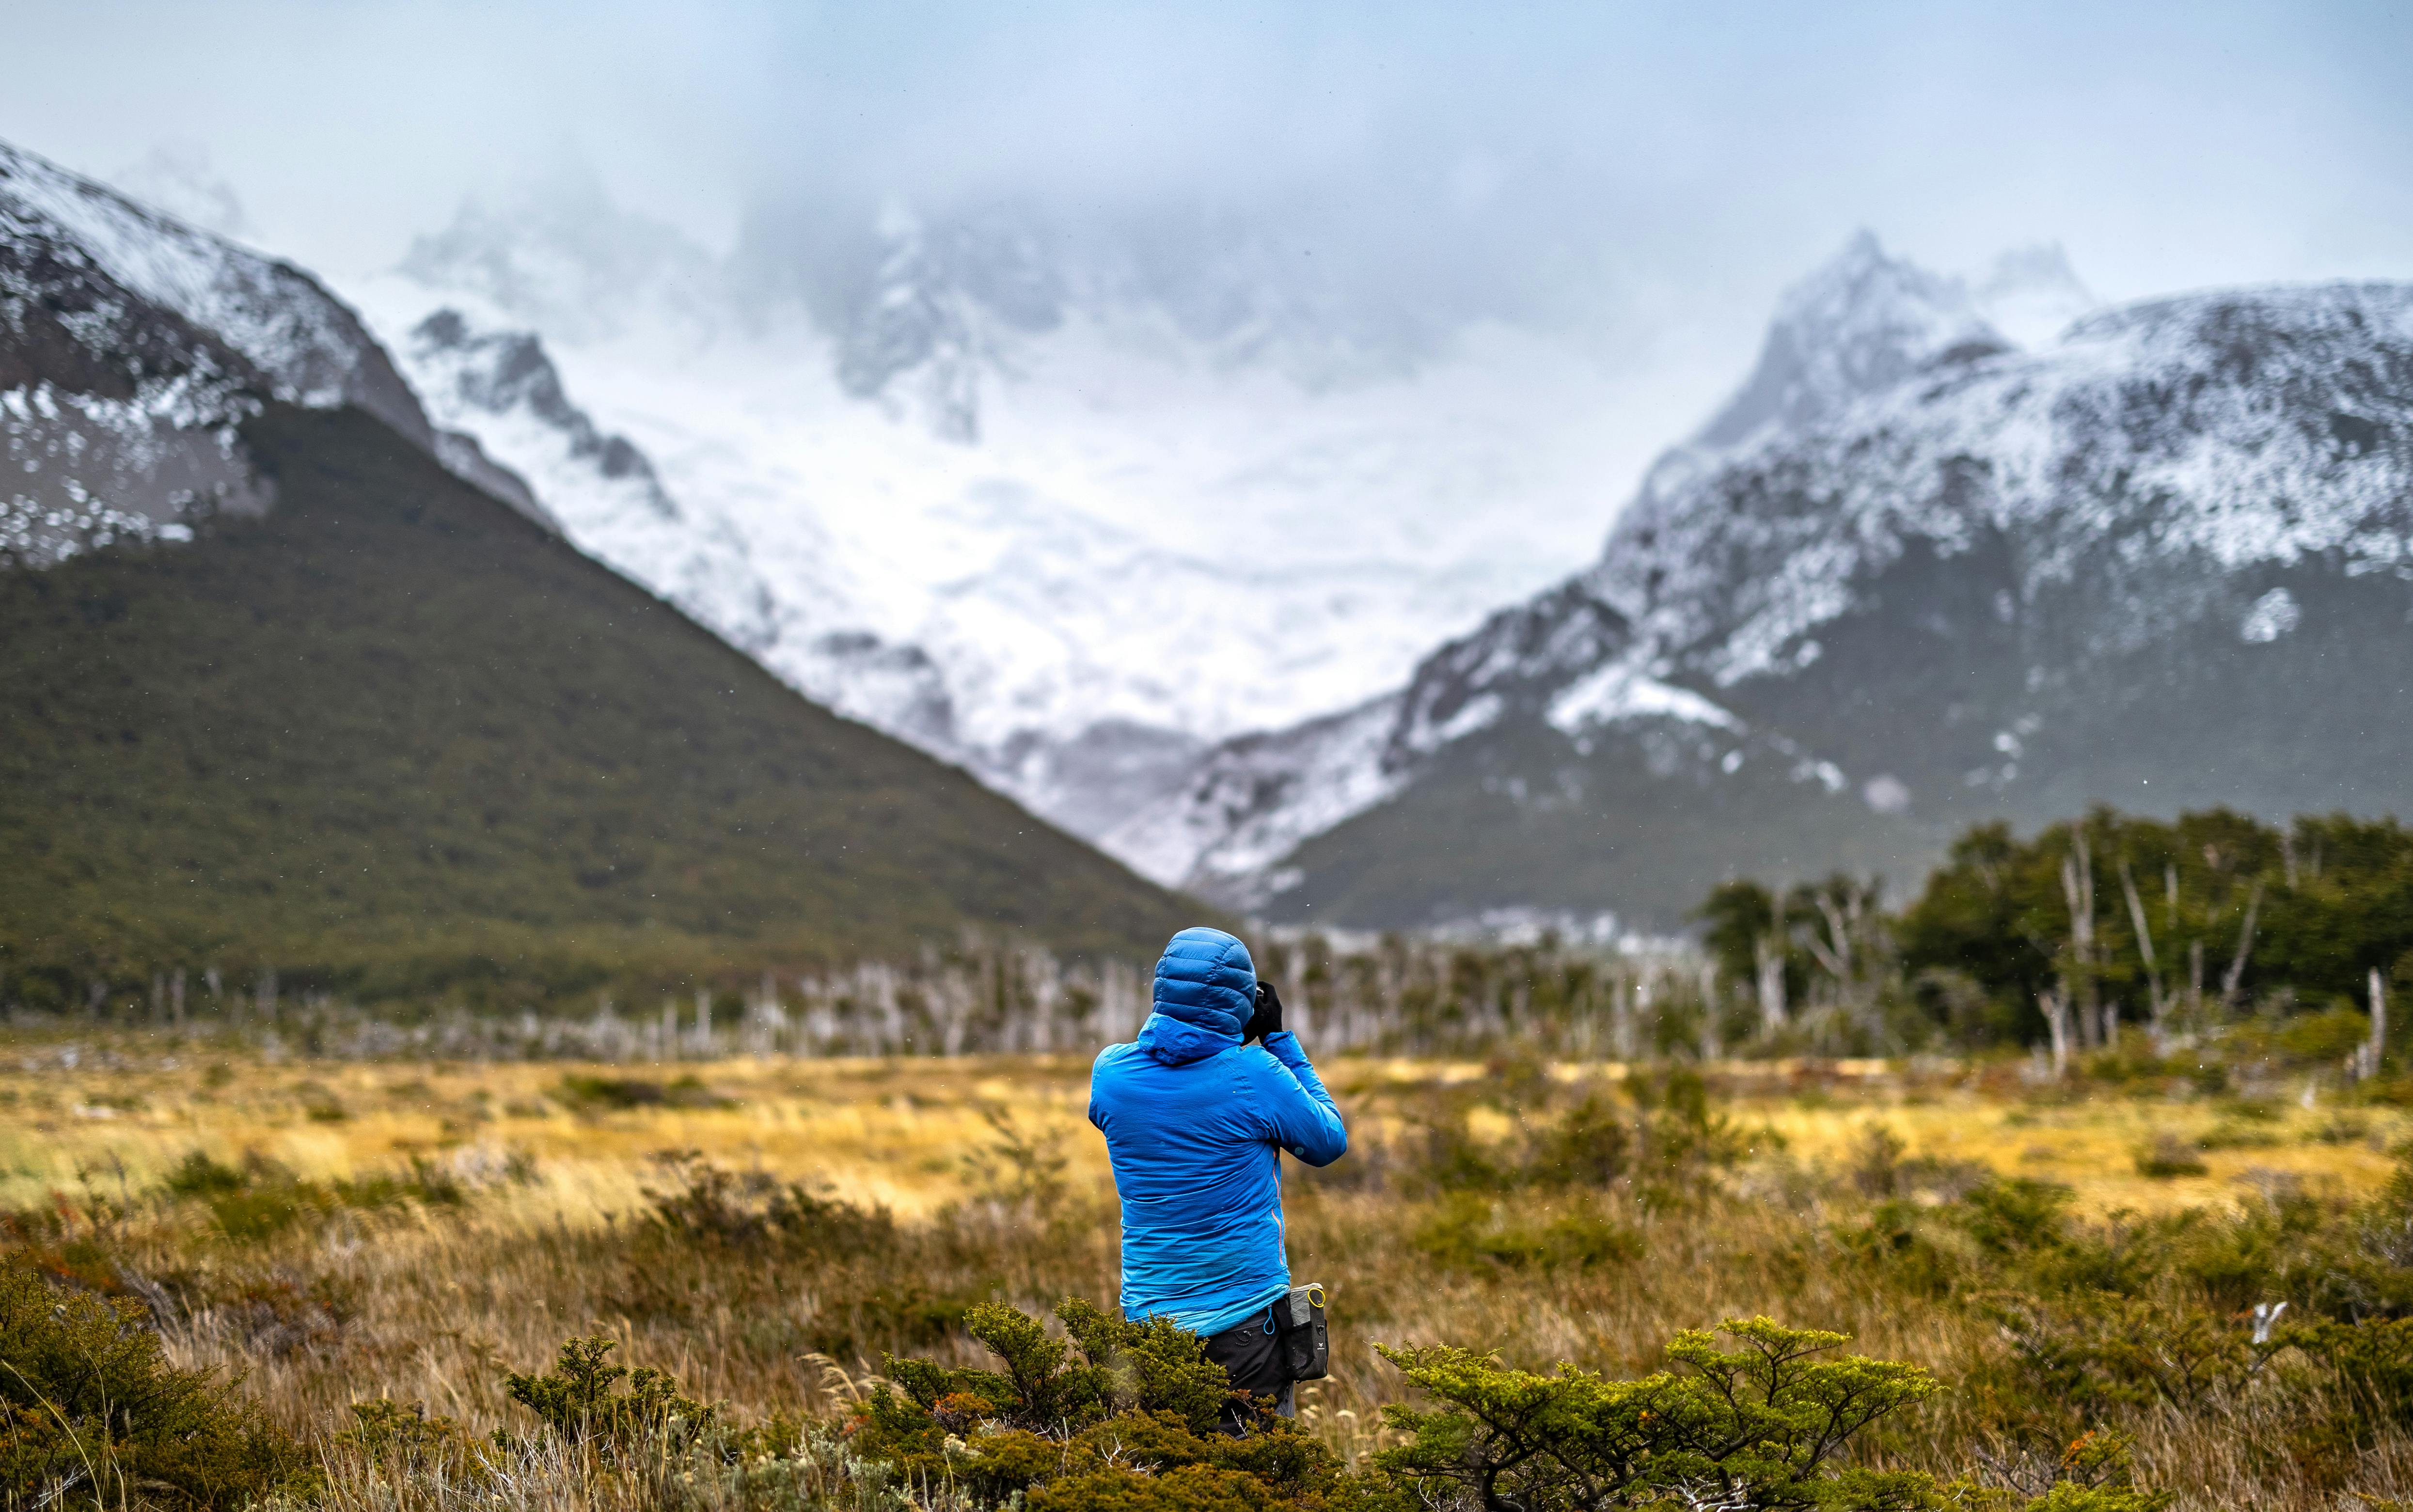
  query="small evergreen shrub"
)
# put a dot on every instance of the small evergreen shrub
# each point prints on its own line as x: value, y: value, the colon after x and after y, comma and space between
x: 1761, y: 1426
x: 90, y: 1412
x: 575, y: 1400
x: 1120, y: 1414
x: 2169, y: 1156
x: 710, y: 1203
x: 1123, y: 1416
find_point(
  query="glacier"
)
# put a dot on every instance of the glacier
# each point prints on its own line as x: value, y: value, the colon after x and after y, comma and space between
x: 1015, y: 504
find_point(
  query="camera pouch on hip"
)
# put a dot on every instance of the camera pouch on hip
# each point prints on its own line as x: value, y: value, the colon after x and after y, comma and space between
x: 1306, y: 1346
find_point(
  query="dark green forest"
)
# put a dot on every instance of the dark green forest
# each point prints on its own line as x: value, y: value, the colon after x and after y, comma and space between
x: 392, y: 742
x: 2164, y: 926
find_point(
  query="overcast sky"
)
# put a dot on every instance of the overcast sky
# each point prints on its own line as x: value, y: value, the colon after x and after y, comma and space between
x: 1691, y: 154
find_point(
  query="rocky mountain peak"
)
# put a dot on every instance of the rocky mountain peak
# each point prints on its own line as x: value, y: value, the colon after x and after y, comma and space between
x: 1859, y: 324
x: 1911, y: 577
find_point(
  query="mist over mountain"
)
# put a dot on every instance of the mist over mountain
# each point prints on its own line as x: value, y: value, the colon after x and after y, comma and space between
x: 1910, y: 577
x: 1060, y: 498
x: 1198, y: 549
x: 301, y: 679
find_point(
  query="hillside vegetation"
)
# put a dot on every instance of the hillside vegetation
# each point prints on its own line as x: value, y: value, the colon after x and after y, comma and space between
x: 393, y: 741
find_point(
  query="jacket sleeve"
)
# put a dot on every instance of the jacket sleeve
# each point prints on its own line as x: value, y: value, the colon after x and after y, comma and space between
x: 1299, y: 1114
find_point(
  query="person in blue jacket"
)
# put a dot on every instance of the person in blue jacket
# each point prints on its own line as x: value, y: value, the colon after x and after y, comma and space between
x: 1196, y: 1115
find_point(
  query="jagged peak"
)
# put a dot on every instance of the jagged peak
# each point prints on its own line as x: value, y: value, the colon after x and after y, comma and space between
x: 311, y: 344
x: 1862, y: 321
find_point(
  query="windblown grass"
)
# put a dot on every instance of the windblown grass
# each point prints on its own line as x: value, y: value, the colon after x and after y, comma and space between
x: 343, y: 1233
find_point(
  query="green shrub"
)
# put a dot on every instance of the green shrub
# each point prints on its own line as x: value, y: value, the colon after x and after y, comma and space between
x: 1761, y: 1426
x: 2232, y: 1134
x: 753, y: 1209
x: 1590, y: 1147
x: 260, y: 1199
x: 575, y: 1400
x: 1121, y: 1414
x: 1472, y: 1233
x: 618, y: 1094
x: 2016, y: 1215
x: 405, y: 1440
x: 90, y: 1412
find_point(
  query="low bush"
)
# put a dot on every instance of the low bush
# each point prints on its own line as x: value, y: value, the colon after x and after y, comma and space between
x: 2169, y: 1156
x: 259, y: 1199
x: 1470, y: 1232
x: 1762, y: 1426
x: 92, y: 1413
x: 576, y: 1403
x: 1121, y: 1415
x: 1124, y: 1415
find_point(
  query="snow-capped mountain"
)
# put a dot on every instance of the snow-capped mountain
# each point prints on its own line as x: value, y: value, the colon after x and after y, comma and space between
x: 1060, y: 505
x: 1911, y: 576
x: 140, y: 342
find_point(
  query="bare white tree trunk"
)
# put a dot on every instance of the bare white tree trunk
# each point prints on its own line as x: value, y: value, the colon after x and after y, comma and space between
x: 2378, y: 1043
x: 2156, y: 1008
x: 2234, y: 978
x: 1770, y: 954
x: 2056, y: 1023
x: 2078, y: 887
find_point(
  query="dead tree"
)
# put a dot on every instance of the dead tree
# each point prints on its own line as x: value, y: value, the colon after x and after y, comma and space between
x: 2234, y: 978
x: 2378, y: 1046
x: 1769, y: 952
x: 2156, y: 1008
x: 2055, y: 1003
x: 2078, y: 887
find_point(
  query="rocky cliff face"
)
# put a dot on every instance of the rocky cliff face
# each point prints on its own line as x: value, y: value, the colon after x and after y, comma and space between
x: 134, y: 344
x: 1912, y: 576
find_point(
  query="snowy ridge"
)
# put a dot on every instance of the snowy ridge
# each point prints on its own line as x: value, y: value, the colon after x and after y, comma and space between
x: 2137, y: 474
x: 2145, y: 421
x: 236, y: 328
x: 117, y: 419
x: 1053, y: 511
x: 1621, y: 690
x: 314, y: 351
x: 1253, y: 800
x: 503, y: 387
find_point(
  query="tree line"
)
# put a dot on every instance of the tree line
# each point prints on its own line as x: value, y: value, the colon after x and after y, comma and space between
x: 2103, y: 932
x: 2093, y: 927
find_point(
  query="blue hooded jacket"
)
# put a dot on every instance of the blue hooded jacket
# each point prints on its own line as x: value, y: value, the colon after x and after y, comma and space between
x: 1196, y: 1122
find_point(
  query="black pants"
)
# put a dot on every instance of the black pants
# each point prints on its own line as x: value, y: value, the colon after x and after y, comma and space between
x: 1251, y: 1353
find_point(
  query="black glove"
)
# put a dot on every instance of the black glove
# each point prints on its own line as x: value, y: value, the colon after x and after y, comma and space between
x: 1268, y: 1017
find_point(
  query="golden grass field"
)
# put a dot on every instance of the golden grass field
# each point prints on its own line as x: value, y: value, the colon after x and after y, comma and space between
x: 891, y: 1132
x: 558, y: 1169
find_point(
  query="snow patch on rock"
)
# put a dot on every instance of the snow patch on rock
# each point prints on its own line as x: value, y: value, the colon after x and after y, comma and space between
x: 1620, y: 692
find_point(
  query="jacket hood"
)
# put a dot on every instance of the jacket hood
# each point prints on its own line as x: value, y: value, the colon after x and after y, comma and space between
x: 1206, y: 990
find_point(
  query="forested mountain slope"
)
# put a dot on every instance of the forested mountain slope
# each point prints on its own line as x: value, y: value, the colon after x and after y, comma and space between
x: 390, y: 737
